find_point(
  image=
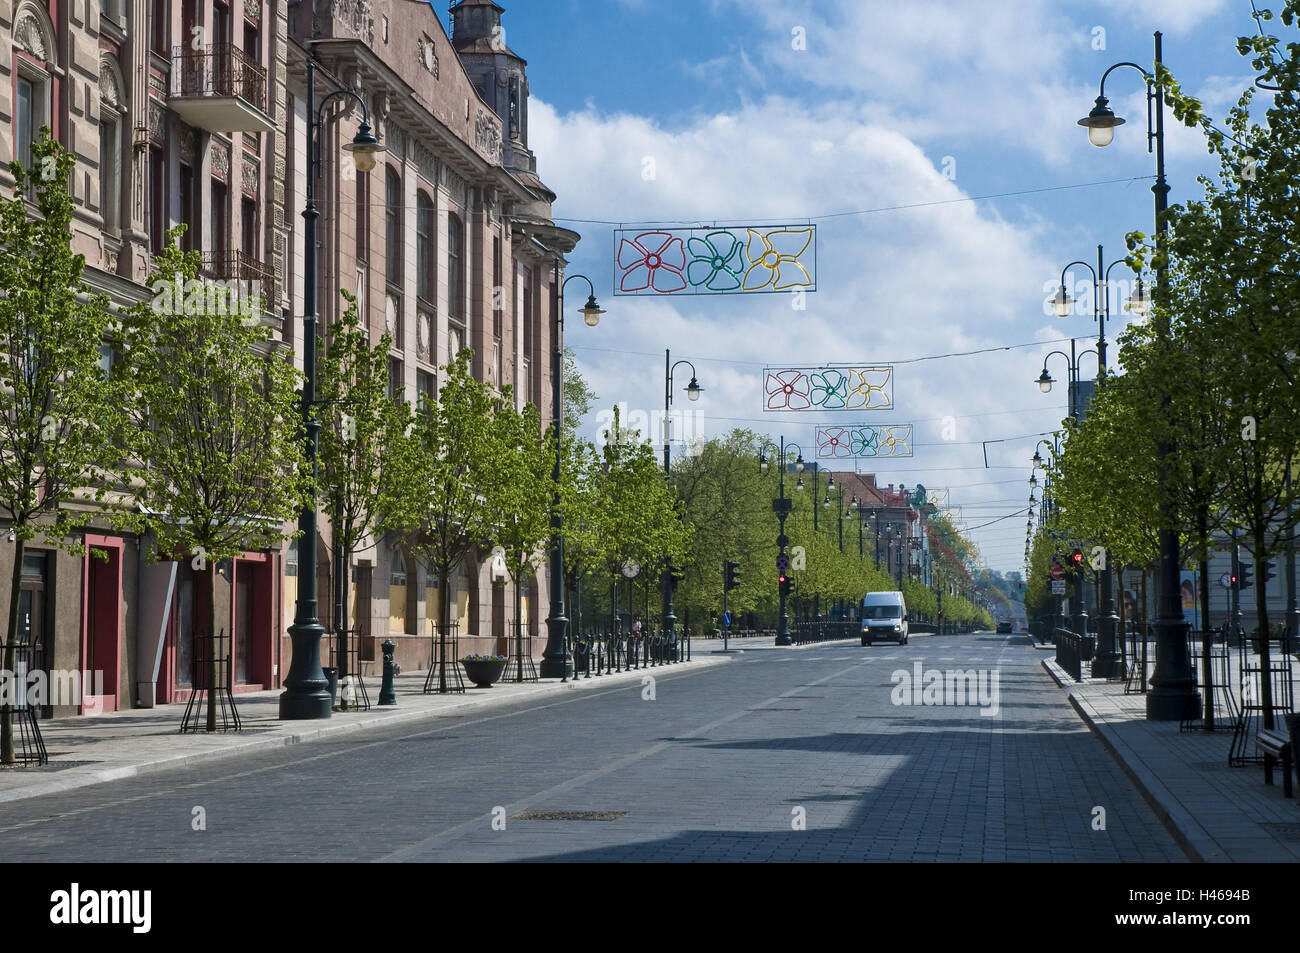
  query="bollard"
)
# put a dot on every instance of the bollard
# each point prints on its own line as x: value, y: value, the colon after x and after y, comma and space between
x: 386, y: 694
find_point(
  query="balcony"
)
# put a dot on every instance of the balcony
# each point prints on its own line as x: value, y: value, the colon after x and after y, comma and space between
x: 219, y: 89
x: 253, y: 277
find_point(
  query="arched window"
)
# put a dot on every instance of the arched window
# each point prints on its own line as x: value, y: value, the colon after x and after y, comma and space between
x: 426, y: 266
x: 455, y: 264
x: 393, y: 211
x: 111, y: 109
x: 34, y: 37
x: 397, y: 574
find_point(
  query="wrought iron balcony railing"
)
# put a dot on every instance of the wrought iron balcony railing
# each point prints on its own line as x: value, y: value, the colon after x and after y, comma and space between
x: 219, y: 70
x: 253, y: 277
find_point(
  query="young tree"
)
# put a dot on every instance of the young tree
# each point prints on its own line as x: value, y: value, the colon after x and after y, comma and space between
x: 58, y: 411
x: 435, y: 484
x: 363, y: 424
x: 217, y: 428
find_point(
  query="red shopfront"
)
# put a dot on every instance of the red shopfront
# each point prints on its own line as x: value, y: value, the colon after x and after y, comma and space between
x: 246, y: 609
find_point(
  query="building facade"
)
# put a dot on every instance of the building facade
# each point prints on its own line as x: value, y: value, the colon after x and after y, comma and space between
x: 193, y: 112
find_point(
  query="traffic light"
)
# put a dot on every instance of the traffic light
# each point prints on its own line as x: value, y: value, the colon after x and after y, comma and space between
x: 1233, y: 581
x: 730, y: 575
x: 783, y: 583
x: 1076, y: 558
x: 1268, y: 571
x: 1245, y: 582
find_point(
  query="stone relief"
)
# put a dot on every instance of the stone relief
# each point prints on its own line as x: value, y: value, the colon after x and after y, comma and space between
x: 427, y: 54
x: 487, y: 135
x: 221, y: 159
x: 29, y: 35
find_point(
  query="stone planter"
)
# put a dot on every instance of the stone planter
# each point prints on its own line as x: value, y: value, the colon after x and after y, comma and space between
x: 483, y: 673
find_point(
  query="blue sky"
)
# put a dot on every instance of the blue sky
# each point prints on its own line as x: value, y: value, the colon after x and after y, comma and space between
x: 884, y: 98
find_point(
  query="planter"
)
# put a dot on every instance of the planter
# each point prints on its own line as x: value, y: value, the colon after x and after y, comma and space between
x: 484, y: 673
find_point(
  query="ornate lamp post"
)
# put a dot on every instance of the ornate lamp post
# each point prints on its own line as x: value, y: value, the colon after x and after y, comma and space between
x: 305, y: 695
x: 1107, y: 660
x: 693, y: 390
x: 781, y: 506
x: 1173, y: 695
x: 555, y: 657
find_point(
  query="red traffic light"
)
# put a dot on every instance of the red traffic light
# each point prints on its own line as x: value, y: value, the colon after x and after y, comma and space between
x: 781, y: 578
x: 1077, y: 556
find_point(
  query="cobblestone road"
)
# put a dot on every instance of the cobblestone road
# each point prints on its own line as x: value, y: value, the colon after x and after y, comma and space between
x: 724, y: 763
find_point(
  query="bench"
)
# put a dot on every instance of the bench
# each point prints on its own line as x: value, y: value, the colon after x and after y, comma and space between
x: 1276, y: 747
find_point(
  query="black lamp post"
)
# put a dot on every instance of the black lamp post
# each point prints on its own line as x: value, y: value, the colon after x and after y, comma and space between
x: 693, y: 390
x: 305, y: 695
x: 1173, y: 695
x: 1106, y: 662
x: 555, y: 657
x: 781, y: 506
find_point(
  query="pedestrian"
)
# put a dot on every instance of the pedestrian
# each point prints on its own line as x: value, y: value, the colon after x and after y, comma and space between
x: 636, y: 629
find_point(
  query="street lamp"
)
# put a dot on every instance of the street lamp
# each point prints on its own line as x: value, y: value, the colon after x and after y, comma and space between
x: 693, y: 389
x: 1173, y: 696
x: 305, y: 694
x: 555, y: 657
x: 781, y: 506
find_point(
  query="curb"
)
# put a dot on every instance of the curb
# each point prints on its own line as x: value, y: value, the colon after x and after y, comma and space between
x: 1194, y: 840
x: 332, y: 727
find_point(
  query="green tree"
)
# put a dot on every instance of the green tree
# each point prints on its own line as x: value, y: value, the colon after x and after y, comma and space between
x: 361, y: 426
x: 216, y: 426
x: 59, y: 412
x: 437, y: 485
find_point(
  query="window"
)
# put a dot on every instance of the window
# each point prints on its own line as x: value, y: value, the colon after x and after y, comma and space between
x: 393, y: 218
x: 423, y: 388
x: 498, y: 292
x: 455, y: 277
x: 189, y: 198
x: 291, y: 560
x: 157, y: 199
x: 220, y: 217
x: 111, y: 9
x: 248, y: 225
x: 158, y: 33
x: 394, y: 379
x: 109, y: 172
x: 426, y: 264
x: 363, y: 216
x: 27, y: 120
x: 252, y: 43
x: 397, y: 574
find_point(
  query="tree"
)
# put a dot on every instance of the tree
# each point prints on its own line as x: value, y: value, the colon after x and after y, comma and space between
x: 435, y: 486
x: 216, y: 427
x: 59, y: 415
x: 362, y: 426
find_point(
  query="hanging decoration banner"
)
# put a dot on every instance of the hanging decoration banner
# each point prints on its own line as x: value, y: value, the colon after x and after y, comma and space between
x: 742, y: 259
x: 864, y: 440
x: 828, y: 388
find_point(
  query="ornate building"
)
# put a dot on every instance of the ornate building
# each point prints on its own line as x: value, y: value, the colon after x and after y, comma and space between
x: 193, y: 112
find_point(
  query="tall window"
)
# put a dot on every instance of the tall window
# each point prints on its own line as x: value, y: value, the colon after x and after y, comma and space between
x: 393, y: 213
x: 157, y: 199
x: 498, y: 292
x: 455, y: 262
x: 394, y: 379
x: 363, y: 216
x: 189, y: 199
x: 27, y: 120
x: 110, y: 192
x: 423, y: 388
x: 220, y: 217
x: 426, y: 264
x: 158, y: 35
x: 248, y: 225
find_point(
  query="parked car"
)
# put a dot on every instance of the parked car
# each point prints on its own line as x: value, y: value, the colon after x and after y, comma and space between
x: 1005, y: 628
x: 884, y: 616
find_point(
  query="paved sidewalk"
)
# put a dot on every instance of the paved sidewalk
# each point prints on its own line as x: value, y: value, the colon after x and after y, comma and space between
x: 91, y: 749
x: 1215, y: 812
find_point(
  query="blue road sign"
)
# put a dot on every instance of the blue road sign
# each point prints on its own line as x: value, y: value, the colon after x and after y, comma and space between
x: 726, y: 618
x: 782, y: 563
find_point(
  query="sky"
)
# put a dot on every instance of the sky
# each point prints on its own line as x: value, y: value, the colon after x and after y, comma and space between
x: 949, y: 126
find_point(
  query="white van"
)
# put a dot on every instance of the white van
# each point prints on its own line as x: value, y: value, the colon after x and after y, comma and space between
x: 884, y: 616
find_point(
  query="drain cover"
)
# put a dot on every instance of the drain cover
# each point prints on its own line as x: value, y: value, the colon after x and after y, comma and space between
x: 568, y: 815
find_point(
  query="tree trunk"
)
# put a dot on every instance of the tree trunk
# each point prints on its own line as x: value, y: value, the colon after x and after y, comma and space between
x: 11, y: 640
x: 1207, y: 636
x: 210, y: 585
x: 444, y: 623
x: 1261, y: 610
